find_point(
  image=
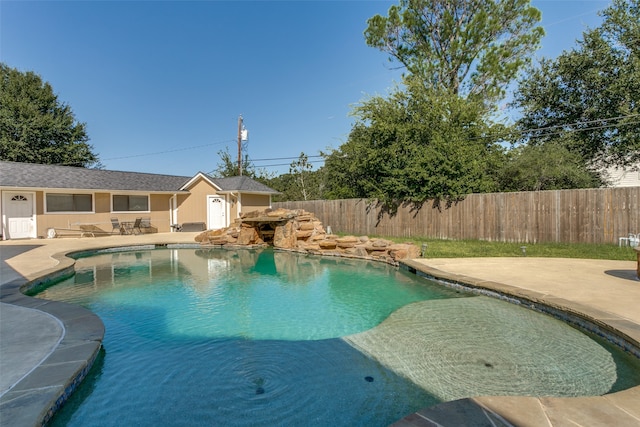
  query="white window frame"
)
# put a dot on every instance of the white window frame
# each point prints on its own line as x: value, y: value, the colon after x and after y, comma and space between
x: 93, y: 203
x: 148, y: 196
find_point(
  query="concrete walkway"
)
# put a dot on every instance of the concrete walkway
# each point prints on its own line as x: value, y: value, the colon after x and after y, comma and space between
x: 47, y: 347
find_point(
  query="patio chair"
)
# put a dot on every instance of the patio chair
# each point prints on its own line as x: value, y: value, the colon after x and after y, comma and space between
x: 116, y: 226
x: 146, y: 227
x: 631, y: 240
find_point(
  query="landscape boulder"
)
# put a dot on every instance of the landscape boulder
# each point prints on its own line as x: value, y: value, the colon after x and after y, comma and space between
x: 300, y: 231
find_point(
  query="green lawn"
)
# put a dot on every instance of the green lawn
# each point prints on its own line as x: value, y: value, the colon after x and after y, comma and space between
x: 476, y: 248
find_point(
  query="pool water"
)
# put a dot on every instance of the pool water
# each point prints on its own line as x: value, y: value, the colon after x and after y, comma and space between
x: 257, y: 337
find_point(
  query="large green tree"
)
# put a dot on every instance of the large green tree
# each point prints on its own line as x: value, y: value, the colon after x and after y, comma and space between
x: 468, y: 47
x: 434, y: 139
x: 414, y: 146
x: 35, y: 127
x: 588, y: 98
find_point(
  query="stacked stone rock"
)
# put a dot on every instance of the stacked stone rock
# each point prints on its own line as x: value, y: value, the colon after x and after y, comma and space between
x: 300, y: 231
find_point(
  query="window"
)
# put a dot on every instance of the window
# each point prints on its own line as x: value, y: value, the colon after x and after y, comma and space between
x: 123, y: 203
x: 69, y: 202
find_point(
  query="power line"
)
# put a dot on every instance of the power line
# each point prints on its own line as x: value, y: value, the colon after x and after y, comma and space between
x: 584, y: 123
x: 562, y: 128
x: 288, y: 164
x: 170, y: 151
x: 282, y: 158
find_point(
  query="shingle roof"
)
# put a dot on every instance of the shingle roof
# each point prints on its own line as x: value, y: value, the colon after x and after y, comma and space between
x: 242, y: 183
x: 32, y: 175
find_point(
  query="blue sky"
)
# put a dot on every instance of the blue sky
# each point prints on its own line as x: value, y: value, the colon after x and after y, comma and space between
x: 160, y: 84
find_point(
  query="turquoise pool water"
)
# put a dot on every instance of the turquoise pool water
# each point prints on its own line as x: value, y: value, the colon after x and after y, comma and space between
x: 216, y: 337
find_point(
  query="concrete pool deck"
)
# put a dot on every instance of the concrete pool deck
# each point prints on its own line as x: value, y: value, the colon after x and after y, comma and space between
x: 47, y: 346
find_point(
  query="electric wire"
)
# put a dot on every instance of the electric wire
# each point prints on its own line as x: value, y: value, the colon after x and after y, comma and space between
x: 169, y: 151
x: 541, y: 133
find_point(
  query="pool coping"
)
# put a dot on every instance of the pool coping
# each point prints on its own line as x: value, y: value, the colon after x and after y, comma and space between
x: 619, y: 408
x: 43, y: 390
x: 40, y: 393
x: 34, y: 399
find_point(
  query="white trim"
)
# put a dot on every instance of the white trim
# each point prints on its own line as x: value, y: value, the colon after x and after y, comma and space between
x: 5, y: 221
x: 225, y: 211
x: 46, y: 209
x: 89, y: 190
x: 173, y: 212
x: 195, y: 178
x: 130, y: 194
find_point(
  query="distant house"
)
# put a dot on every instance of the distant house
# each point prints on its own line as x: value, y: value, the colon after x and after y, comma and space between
x: 36, y: 198
x: 623, y: 177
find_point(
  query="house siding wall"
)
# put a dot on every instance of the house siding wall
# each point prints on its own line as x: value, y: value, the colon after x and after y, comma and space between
x: 255, y: 202
x: 626, y: 179
x: 101, y: 218
x: 193, y: 208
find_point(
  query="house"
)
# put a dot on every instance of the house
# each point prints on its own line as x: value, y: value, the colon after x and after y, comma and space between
x: 623, y: 176
x: 36, y: 198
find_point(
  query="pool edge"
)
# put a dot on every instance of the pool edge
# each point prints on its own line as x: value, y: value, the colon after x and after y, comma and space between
x: 619, y: 408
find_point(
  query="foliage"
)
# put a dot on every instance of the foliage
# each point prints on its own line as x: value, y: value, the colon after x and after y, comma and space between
x: 434, y: 140
x: 588, y: 98
x: 301, y: 183
x: 545, y: 167
x: 35, y: 127
x: 229, y: 167
x: 301, y: 171
x: 415, y: 146
x: 468, y: 47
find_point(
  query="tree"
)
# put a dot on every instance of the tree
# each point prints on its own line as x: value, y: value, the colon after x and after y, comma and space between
x: 588, y: 98
x: 300, y: 169
x: 415, y: 146
x: 545, y: 167
x: 35, y: 127
x: 468, y: 47
x: 301, y: 183
x: 229, y: 167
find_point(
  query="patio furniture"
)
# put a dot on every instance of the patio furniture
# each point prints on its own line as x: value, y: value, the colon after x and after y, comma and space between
x: 92, y: 230
x: 193, y: 226
x: 115, y: 224
x: 132, y: 227
x: 146, y: 227
x: 632, y: 240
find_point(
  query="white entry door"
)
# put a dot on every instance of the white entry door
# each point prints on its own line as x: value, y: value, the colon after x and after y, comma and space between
x: 216, y: 212
x: 19, y: 215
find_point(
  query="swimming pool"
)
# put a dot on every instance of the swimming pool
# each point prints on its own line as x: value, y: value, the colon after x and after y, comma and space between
x: 257, y: 337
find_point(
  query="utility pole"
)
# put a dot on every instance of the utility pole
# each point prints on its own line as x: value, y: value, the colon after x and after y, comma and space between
x: 240, y: 145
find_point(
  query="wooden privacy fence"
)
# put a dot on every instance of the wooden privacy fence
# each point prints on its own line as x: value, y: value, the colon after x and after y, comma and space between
x: 599, y: 215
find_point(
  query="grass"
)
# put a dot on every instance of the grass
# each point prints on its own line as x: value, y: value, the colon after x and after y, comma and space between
x: 477, y: 248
